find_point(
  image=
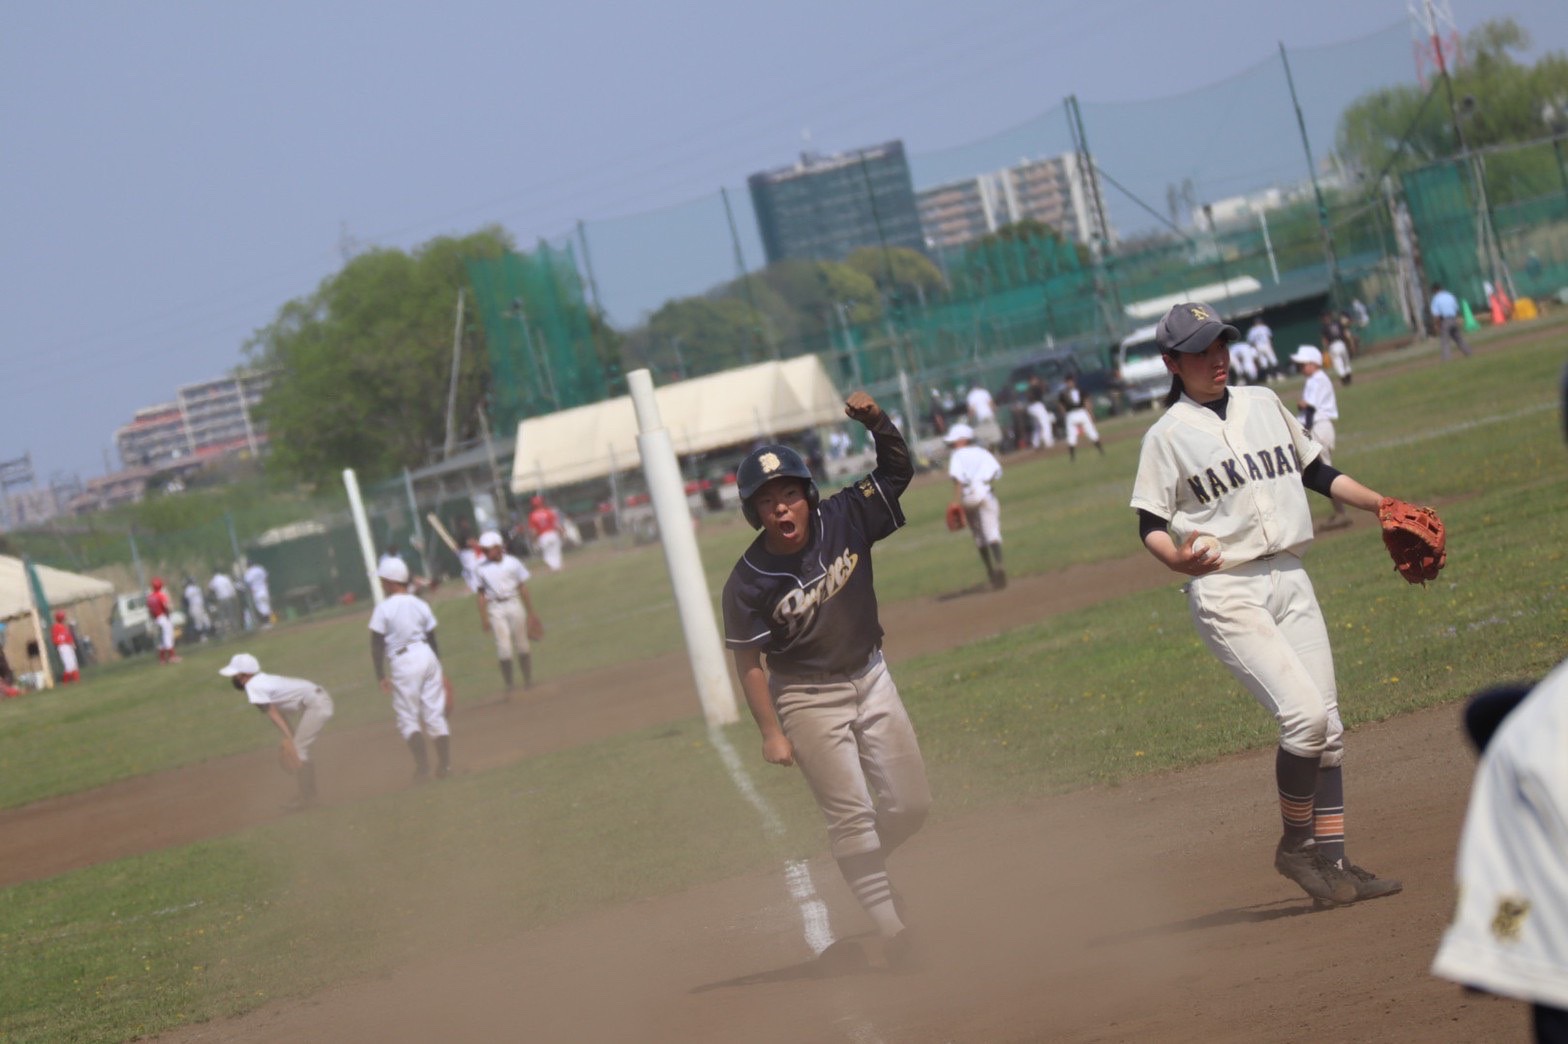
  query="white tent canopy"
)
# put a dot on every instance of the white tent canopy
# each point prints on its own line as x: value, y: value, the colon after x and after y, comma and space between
x: 60, y: 587
x: 701, y: 414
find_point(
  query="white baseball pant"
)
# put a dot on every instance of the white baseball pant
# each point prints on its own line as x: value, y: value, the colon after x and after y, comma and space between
x: 1042, y: 435
x: 985, y: 520
x: 508, y: 626
x: 1323, y: 433
x: 67, y: 658
x: 1262, y: 621
x: 313, y: 717
x: 165, y: 631
x: 418, y: 692
x: 857, y: 749
x: 550, y: 549
x: 1079, y: 420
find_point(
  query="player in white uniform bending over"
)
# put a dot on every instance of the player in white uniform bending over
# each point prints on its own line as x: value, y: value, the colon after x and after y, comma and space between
x: 803, y: 595
x: 1077, y: 419
x: 1319, y: 408
x: 1262, y: 340
x: 973, y: 469
x: 281, y: 698
x: 403, y: 636
x: 1233, y: 466
x: 505, y: 609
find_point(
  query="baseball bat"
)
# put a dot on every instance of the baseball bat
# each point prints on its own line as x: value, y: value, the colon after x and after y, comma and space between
x: 446, y: 538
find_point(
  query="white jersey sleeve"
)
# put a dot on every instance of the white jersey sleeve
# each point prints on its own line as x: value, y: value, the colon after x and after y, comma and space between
x: 1319, y: 394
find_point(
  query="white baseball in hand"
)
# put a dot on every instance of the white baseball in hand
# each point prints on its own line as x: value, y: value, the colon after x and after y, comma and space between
x: 1206, y: 545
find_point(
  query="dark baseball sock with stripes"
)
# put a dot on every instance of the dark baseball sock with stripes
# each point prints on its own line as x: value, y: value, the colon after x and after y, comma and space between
x: 1329, y: 813
x: 1297, y: 779
x: 866, y: 875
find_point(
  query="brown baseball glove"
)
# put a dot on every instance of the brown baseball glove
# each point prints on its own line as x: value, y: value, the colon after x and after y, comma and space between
x: 288, y: 757
x: 957, y: 518
x: 1415, y: 538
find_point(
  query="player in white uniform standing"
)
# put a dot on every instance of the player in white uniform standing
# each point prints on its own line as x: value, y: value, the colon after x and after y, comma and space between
x: 973, y: 470
x: 403, y: 637
x: 1078, y: 421
x: 1262, y: 340
x: 1319, y: 408
x: 505, y: 609
x: 982, y: 415
x: 280, y: 698
x: 1233, y: 466
x: 260, y: 595
x: 225, y: 602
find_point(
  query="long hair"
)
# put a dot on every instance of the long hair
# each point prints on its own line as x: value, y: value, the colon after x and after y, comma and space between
x: 1177, y: 389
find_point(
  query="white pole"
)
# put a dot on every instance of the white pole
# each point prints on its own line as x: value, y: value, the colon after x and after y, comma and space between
x: 451, y: 396
x: 356, y: 507
x: 704, y: 647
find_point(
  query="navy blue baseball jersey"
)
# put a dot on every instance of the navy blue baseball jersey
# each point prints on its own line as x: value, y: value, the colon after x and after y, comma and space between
x: 815, y: 611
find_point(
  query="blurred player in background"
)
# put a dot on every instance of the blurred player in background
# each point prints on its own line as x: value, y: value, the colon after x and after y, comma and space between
x: 544, y: 524
x: 65, y: 644
x: 163, y: 618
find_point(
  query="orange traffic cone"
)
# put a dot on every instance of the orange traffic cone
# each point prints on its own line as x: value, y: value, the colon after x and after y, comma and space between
x: 1499, y: 316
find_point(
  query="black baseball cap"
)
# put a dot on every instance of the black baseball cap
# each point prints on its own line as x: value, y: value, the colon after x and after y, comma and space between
x: 1191, y: 327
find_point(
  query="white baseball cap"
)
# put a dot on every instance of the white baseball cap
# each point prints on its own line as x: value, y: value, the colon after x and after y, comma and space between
x: 393, y: 569
x: 243, y: 663
x: 491, y: 538
x: 1307, y: 354
x: 959, y: 431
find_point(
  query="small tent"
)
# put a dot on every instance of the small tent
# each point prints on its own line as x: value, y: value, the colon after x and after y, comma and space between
x: 60, y: 587
x: 704, y: 413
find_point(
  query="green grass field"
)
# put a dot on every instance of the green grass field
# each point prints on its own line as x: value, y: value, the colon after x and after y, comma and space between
x: 1096, y: 696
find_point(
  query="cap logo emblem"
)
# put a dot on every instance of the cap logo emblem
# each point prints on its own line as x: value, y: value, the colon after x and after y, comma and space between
x: 1200, y: 314
x: 769, y: 462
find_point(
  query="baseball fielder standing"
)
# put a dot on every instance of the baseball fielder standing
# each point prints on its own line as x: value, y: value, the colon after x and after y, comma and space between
x: 546, y: 529
x: 973, y: 469
x: 163, y: 618
x: 802, y: 595
x: 505, y: 609
x: 1319, y: 408
x: 279, y: 698
x: 260, y: 594
x: 1078, y: 420
x: 403, y: 635
x: 1221, y: 497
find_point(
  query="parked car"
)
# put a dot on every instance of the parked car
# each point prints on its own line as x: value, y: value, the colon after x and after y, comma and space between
x: 131, y: 628
x: 1144, y: 376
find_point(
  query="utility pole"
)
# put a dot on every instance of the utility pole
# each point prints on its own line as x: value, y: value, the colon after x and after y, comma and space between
x: 451, y: 394
x: 1106, y: 291
x: 1335, y: 293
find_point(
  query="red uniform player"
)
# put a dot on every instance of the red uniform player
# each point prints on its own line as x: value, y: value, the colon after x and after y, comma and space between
x: 158, y: 606
x: 545, y: 524
x: 65, y: 644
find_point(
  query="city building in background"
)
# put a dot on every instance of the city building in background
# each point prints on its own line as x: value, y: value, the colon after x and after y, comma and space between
x: 208, y: 419
x: 1051, y: 191
x: 826, y: 207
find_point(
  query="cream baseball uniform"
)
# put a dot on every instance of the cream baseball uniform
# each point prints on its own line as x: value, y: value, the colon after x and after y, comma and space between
x: 260, y: 595
x: 1239, y: 480
x: 974, y: 468
x: 1509, y: 935
x: 498, y: 582
x: 1339, y: 354
x: 982, y: 408
x: 1318, y: 393
x: 293, y: 696
x: 468, y: 559
x: 1262, y: 340
x: 418, y: 690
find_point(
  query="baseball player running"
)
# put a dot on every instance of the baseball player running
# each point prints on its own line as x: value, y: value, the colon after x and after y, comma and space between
x: 280, y: 698
x: 1221, y: 497
x: 505, y: 609
x: 1078, y: 421
x: 973, y: 469
x: 1319, y: 408
x: 162, y: 616
x: 802, y: 595
x: 403, y: 636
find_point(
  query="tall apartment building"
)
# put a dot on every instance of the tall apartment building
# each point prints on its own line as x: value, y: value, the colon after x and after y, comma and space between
x: 825, y: 207
x: 207, y: 419
x: 1051, y: 191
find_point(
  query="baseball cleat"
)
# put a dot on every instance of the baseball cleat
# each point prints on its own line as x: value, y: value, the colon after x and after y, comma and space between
x: 1369, y: 885
x: 843, y: 957
x: 1304, y: 864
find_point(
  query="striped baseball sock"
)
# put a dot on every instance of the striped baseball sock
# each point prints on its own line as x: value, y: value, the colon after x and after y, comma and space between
x: 1329, y: 813
x: 1297, y: 779
x: 866, y: 875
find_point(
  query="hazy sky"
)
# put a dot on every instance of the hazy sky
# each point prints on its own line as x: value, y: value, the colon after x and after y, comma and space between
x: 174, y: 172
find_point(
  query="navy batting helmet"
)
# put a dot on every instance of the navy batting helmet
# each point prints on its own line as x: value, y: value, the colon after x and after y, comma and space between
x: 762, y: 466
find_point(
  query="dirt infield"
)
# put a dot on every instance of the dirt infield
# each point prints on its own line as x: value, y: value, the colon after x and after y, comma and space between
x: 1148, y: 911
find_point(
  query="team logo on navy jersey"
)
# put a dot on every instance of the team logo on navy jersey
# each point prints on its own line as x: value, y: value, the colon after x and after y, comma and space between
x: 797, y: 609
x: 867, y: 487
x: 1509, y: 919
